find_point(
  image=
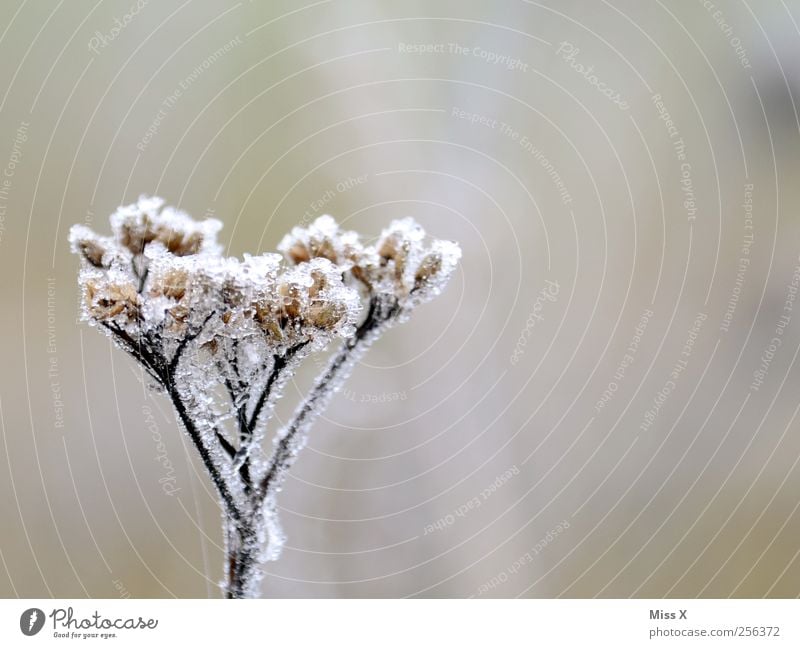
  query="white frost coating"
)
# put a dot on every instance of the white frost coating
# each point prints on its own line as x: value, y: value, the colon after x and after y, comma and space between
x: 222, y: 336
x: 397, y: 274
x: 402, y: 263
x: 136, y: 225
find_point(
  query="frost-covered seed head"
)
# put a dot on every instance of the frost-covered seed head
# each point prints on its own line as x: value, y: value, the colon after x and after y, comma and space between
x: 106, y: 301
x: 97, y: 251
x: 401, y: 266
x: 164, y: 273
x: 138, y: 225
x: 311, y: 300
x: 321, y: 239
x: 435, y: 269
x: 172, y: 283
x: 93, y: 252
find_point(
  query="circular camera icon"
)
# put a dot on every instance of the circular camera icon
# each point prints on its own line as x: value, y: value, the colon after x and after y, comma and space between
x: 31, y: 621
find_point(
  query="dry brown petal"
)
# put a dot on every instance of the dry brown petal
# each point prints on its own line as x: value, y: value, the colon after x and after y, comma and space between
x: 180, y: 316
x: 271, y: 327
x: 361, y: 275
x: 389, y: 247
x: 91, y: 290
x: 299, y: 253
x: 324, y: 314
x: 192, y: 243
x: 171, y: 239
x: 126, y: 291
x: 93, y: 252
x: 173, y: 284
x: 320, y: 282
x: 291, y: 305
x: 178, y: 242
x: 119, y: 299
x: 394, y: 248
x: 263, y: 314
x: 136, y: 236
x: 430, y: 266
x: 325, y: 249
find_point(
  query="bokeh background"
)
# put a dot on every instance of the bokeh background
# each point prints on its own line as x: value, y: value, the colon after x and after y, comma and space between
x: 636, y: 161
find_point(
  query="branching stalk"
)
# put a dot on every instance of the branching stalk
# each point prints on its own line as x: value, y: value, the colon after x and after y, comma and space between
x: 161, y: 281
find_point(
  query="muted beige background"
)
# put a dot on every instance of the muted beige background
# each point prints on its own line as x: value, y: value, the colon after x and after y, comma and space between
x: 281, y: 105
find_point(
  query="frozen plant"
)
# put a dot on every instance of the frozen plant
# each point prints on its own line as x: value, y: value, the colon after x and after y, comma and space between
x: 221, y: 336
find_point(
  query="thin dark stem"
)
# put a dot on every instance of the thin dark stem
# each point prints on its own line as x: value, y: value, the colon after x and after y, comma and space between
x: 241, y: 418
x: 377, y: 314
x: 241, y: 409
x: 235, y: 365
x: 140, y: 350
x: 227, y: 446
x: 279, y: 363
x: 164, y: 373
x: 143, y: 279
x: 189, y: 337
x: 191, y: 429
x: 241, y: 564
x: 247, y: 427
x: 205, y: 455
x: 236, y: 391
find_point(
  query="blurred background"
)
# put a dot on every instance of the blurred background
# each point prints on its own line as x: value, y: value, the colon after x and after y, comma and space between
x: 603, y: 403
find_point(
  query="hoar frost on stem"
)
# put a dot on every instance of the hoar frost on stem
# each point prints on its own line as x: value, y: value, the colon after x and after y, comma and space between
x: 221, y: 336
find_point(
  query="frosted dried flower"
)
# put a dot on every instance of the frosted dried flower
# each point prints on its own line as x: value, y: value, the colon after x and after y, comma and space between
x: 413, y: 270
x: 323, y: 239
x: 136, y: 226
x: 402, y: 266
x: 95, y: 250
x: 108, y: 301
x: 195, y: 320
x: 399, y: 272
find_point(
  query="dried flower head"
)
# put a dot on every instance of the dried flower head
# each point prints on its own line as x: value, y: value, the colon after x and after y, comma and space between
x: 136, y: 226
x: 96, y: 251
x: 321, y: 239
x: 107, y: 300
x: 402, y: 265
x: 221, y: 336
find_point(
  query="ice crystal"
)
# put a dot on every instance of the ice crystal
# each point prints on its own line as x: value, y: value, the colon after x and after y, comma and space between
x: 221, y: 336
